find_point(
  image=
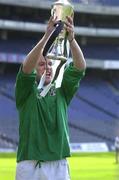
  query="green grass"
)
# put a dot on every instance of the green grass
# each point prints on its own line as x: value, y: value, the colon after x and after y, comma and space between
x: 98, y: 166
x: 83, y: 166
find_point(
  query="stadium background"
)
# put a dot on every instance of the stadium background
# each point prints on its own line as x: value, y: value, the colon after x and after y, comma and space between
x: 94, y: 112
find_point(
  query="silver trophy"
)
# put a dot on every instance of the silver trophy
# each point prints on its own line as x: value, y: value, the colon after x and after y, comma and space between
x: 60, y: 47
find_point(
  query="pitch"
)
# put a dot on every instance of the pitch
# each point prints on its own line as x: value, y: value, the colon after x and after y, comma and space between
x: 83, y: 166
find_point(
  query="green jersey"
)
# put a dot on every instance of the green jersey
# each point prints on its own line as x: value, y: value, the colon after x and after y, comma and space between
x: 43, y: 127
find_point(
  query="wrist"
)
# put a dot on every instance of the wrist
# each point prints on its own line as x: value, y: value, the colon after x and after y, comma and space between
x: 46, y: 35
x: 71, y: 40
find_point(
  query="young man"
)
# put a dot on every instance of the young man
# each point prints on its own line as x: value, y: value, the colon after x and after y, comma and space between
x: 43, y: 131
x: 117, y: 149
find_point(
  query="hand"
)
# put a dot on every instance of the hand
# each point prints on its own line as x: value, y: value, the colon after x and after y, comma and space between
x: 51, y: 25
x: 69, y: 26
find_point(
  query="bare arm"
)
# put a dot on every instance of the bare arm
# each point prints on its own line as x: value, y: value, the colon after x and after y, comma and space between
x: 32, y: 58
x: 77, y: 54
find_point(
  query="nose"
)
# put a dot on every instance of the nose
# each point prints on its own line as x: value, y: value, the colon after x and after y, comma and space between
x: 48, y: 67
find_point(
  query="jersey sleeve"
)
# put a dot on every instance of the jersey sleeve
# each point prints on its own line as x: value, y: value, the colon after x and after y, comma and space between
x: 24, y: 86
x: 71, y: 81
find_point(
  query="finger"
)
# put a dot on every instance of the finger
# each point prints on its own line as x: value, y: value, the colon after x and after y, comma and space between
x: 70, y: 19
x: 68, y: 29
x: 68, y: 24
x: 52, y: 19
x: 55, y: 19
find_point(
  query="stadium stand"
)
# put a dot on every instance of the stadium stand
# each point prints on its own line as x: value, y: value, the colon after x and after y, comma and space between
x: 99, y: 2
x: 23, y: 46
x: 93, y: 114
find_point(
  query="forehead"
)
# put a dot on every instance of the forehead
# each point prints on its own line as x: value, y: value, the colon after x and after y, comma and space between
x: 43, y: 61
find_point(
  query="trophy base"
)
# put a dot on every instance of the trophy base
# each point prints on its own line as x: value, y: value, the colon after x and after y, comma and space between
x: 58, y: 57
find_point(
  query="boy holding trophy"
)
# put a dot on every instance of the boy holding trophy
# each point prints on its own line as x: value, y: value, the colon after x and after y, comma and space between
x: 43, y: 130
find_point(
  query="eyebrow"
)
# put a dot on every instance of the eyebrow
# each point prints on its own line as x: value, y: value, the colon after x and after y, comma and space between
x: 41, y: 62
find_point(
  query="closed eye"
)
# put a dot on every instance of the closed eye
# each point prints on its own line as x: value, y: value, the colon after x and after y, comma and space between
x: 50, y: 63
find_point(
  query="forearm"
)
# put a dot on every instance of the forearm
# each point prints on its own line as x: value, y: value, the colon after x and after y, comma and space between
x: 32, y: 58
x: 77, y: 55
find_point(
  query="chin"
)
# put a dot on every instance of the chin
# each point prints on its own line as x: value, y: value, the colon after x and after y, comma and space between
x: 47, y: 82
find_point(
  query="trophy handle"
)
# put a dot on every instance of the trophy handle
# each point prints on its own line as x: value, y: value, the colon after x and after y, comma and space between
x: 59, y: 27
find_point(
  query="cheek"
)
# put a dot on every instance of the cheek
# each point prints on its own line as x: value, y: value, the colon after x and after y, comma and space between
x: 52, y: 72
x: 41, y: 70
